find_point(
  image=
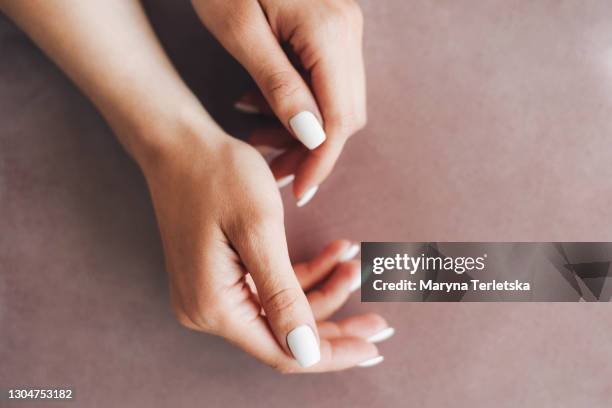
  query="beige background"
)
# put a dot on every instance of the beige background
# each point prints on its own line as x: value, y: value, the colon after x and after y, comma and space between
x: 489, y: 120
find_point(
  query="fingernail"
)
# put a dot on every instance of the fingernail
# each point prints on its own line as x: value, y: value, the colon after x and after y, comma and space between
x: 371, y: 362
x: 307, y: 196
x: 307, y: 129
x: 349, y: 253
x: 285, y: 181
x: 381, y: 335
x: 304, y: 346
x: 246, y: 107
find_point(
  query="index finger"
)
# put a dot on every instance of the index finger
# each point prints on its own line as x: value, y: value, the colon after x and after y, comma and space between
x: 337, y: 352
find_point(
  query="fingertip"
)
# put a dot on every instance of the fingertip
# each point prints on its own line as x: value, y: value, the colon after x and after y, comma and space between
x: 371, y: 362
x: 334, y: 250
x: 316, y: 269
x: 307, y: 196
x: 350, y: 275
x: 382, y: 335
x: 346, y: 274
x: 345, y: 352
x: 308, y: 130
x: 364, y: 326
x: 285, y: 181
x: 329, y: 257
x: 355, y: 282
x: 304, y: 345
x: 301, y: 187
x: 350, y: 252
x: 375, y: 321
x: 369, y: 324
x: 315, y: 167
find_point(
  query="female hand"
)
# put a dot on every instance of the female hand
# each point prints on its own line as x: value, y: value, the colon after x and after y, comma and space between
x: 218, y: 208
x: 326, y: 38
x: 221, y: 220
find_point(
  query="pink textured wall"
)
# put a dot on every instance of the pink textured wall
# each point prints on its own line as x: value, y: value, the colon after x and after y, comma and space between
x: 488, y: 121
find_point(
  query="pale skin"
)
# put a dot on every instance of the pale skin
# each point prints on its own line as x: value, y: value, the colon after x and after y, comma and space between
x: 325, y: 37
x: 217, y: 205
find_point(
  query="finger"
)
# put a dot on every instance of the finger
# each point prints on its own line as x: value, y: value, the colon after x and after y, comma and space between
x: 341, y: 353
x: 253, y: 102
x: 370, y: 327
x: 261, y: 243
x: 316, y: 166
x: 334, y: 292
x: 338, y: 83
x: 252, y: 42
x: 337, y: 353
x: 312, y: 272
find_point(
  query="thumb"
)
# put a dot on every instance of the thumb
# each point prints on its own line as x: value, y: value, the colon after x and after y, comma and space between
x: 255, y: 46
x: 263, y: 250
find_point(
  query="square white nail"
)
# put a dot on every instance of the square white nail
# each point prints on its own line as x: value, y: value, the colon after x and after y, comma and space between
x: 304, y: 346
x: 307, y: 129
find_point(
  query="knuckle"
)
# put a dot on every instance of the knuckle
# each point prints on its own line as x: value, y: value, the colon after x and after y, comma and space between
x: 207, y: 316
x: 261, y: 221
x: 280, y: 85
x: 282, y: 300
x: 253, y: 230
x: 269, y: 211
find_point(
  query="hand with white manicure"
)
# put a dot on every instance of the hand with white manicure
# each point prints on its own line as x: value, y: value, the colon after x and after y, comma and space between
x: 221, y: 220
x: 319, y: 100
x: 217, y: 205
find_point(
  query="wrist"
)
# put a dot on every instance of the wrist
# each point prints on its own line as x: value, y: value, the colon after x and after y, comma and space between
x: 156, y: 135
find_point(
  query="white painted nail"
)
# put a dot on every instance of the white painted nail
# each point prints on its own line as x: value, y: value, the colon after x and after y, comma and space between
x: 356, y: 284
x: 371, y: 362
x: 285, y: 181
x: 307, y: 196
x: 349, y: 253
x: 304, y: 346
x: 381, y: 335
x: 307, y: 129
x: 245, y: 107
